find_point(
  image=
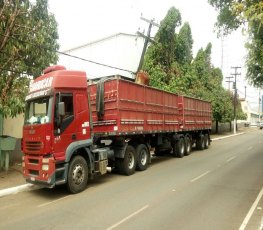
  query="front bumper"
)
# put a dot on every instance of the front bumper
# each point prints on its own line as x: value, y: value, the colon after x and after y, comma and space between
x: 39, y: 170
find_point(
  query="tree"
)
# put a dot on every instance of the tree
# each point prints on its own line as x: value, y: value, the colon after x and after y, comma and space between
x: 184, y: 46
x: 249, y: 14
x: 28, y: 43
x: 170, y: 63
x: 208, y: 85
x: 161, y: 54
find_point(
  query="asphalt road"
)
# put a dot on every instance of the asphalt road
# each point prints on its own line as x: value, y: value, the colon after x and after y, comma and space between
x: 211, y: 189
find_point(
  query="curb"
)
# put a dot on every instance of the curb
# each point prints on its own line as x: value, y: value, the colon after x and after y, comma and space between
x: 17, y: 189
x: 220, y: 138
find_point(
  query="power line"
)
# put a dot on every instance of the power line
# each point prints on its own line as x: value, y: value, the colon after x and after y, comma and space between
x: 93, y: 62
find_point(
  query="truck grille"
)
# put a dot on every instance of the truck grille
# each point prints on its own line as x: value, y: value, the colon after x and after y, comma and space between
x: 33, y: 146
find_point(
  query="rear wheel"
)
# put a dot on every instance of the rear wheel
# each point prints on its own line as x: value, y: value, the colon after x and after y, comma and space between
x: 206, y: 141
x: 77, y: 175
x: 188, y: 146
x: 127, y: 165
x: 179, y: 148
x: 142, y: 157
x: 200, y: 144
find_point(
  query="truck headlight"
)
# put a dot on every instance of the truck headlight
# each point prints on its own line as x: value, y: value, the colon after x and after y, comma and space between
x: 45, y: 160
x: 45, y: 167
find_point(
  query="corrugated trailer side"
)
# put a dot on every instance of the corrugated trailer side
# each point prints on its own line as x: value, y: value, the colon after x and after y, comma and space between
x: 197, y: 114
x: 130, y: 108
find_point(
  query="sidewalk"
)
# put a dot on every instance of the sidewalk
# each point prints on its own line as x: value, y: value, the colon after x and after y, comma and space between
x: 13, y: 178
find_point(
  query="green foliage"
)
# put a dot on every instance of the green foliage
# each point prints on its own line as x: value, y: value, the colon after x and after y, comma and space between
x: 184, y: 46
x: 249, y: 14
x: 171, y: 66
x: 162, y: 53
x: 28, y: 41
x: 255, y: 58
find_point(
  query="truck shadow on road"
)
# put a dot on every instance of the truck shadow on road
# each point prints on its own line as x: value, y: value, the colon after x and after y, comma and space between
x: 61, y: 191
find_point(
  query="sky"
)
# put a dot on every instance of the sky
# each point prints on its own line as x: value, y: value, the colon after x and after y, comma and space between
x: 83, y: 21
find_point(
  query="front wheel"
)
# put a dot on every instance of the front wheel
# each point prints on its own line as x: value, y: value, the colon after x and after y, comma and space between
x: 142, y: 157
x: 77, y: 175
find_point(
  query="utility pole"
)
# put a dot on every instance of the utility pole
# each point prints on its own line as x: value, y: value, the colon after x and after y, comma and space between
x: 235, y: 94
x: 245, y: 92
x: 146, y: 41
x: 229, y: 81
x: 259, y: 104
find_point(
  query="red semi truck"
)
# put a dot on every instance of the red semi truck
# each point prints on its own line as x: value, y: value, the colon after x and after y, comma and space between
x: 75, y: 129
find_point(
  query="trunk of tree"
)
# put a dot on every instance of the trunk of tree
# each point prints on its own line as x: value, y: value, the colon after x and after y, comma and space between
x: 216, y: 126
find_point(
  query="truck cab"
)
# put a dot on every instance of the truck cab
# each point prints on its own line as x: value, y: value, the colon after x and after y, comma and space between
x: 57, y: 122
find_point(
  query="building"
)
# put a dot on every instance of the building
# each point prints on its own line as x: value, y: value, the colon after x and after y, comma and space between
x: 252, y: 116
x: 105, y: 57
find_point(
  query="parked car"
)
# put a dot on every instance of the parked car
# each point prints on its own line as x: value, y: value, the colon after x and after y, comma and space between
x: 260, y: 125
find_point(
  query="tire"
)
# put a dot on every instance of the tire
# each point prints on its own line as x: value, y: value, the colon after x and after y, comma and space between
x: 179, y: 148
x: 206, y: 141
x: 77, y: 175
x: 188, y: 146
x: 143, y: 155
x: 200, y: 144
x: 127, y: 165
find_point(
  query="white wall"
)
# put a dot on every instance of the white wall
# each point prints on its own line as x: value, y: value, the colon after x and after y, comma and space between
x: 13, y: 126
x: 121, y: 50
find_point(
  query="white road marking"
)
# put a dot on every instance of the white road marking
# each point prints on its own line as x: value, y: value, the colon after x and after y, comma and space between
x: 230, y: 159
x: 252, y: 209
x: 202, y: 175
x: 261, y: 224
x: 52, y: 202
x: 127, y: 218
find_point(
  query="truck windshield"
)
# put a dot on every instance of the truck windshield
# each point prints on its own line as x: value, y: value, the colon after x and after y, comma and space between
x: 39, y: 111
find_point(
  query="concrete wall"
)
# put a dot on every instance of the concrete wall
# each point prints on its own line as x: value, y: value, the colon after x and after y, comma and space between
x: 225, y: 127
x: 13, y: 127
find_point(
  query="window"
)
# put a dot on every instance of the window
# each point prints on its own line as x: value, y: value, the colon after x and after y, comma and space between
x: 62, y: 122
x: 38, y: 111
x: 68, y: 101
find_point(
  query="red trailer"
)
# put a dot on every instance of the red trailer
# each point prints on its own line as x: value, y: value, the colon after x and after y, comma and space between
x: 74, y: 130
x: 129, y: 109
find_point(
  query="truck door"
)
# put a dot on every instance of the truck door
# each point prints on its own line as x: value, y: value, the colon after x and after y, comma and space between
x: 64, y: 128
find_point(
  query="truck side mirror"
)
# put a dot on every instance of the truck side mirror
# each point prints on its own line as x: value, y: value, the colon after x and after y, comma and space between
x: 61, y: 108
